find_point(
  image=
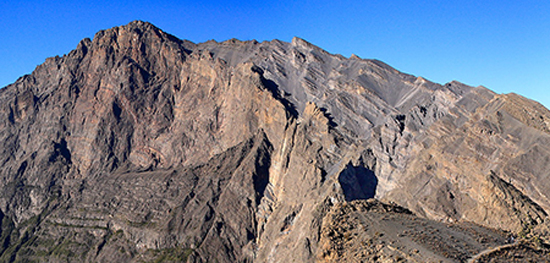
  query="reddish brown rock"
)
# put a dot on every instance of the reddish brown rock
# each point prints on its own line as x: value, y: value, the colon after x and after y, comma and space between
x: 138, y: 146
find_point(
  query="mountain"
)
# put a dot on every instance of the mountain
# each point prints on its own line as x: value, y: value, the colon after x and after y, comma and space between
x: 141, y: 147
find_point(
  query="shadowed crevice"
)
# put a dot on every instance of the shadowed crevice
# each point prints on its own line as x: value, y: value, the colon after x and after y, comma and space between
x: 273, y: 88
x: 61, y: 150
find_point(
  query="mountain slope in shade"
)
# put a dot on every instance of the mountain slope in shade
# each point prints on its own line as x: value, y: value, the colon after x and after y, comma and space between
x: 138, y: 146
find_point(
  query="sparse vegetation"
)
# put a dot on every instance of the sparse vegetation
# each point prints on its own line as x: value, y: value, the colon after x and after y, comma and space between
x: 177, y: 254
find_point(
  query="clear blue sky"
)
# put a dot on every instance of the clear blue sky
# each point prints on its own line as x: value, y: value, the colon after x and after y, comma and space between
x: 503, y: 45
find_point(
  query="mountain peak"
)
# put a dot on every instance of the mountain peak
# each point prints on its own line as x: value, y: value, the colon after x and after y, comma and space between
x: 354, y: 56
x: 138, y: 146
x: 300, y: 42
x: 141, y: 24
x: 134, y: 30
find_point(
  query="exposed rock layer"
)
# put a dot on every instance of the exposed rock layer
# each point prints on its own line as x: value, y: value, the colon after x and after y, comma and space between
x: 138, y: 146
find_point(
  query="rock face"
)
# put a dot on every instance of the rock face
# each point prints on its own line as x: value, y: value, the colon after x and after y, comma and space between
x: 138, y: 146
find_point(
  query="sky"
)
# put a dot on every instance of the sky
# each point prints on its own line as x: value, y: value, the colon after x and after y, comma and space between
x: 502, y: 45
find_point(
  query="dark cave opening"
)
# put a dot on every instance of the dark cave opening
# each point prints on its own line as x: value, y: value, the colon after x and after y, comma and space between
x: 358, y: 182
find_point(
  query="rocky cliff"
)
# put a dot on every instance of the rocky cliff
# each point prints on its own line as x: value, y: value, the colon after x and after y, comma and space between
x: 141, y: 147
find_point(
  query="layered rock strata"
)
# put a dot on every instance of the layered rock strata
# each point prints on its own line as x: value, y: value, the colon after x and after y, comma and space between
x: 138, y: 146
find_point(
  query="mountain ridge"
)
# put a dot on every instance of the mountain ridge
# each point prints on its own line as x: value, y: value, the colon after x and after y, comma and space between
x: 138, y: 146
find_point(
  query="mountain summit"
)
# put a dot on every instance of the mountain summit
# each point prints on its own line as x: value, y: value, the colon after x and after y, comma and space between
x: 141, y: 147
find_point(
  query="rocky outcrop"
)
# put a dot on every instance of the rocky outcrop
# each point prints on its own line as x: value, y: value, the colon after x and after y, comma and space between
x: 371, y: 231
x: 138, y: 146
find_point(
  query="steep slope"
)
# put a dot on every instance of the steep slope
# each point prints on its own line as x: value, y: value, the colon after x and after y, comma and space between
x: 137, y: 146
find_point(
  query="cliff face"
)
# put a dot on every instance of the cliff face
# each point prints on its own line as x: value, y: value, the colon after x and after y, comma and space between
x: 138, y: 146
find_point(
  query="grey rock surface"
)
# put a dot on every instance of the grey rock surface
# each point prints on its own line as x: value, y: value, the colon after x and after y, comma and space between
x: 141, y: 147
